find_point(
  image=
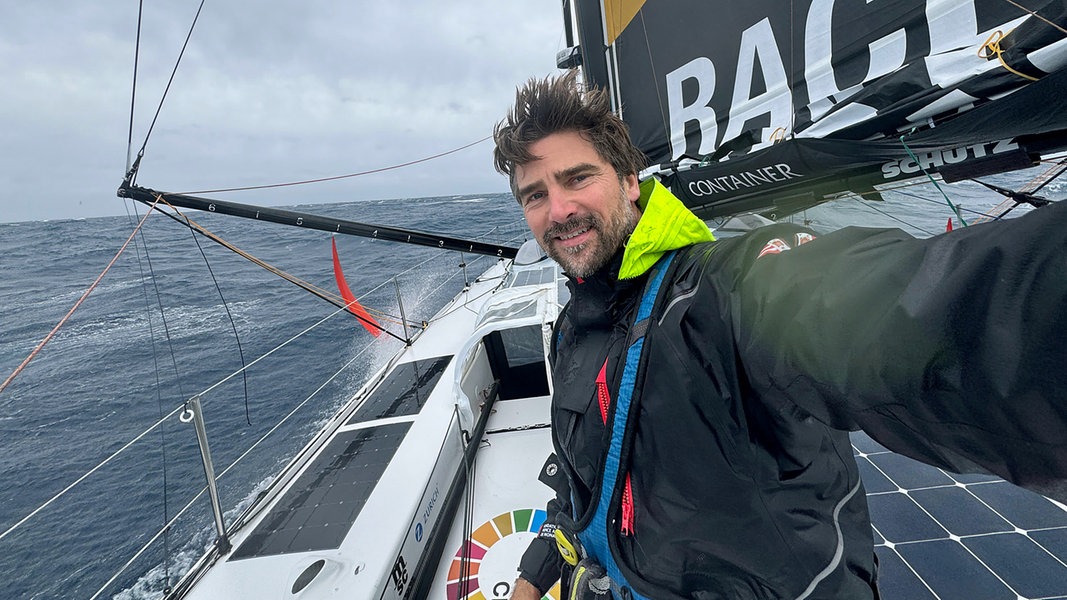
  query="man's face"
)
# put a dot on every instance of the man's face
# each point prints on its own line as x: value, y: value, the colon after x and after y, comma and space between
x: 578, y: 209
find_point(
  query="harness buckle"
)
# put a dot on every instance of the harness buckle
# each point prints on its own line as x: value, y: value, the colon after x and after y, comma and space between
x: 570, y: 551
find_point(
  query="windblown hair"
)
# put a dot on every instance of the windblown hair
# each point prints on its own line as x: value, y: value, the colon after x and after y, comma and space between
x: 554, y: 105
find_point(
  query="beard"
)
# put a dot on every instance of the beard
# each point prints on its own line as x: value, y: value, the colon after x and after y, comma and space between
x: 588, y: 258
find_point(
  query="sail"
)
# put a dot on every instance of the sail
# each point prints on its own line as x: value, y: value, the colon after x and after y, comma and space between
x: 774, y: 105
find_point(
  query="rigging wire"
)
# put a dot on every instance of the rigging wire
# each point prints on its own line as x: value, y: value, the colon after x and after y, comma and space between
x: 86, y: 475
x: 321, y: 387
x: 236, y: 461
x: 659, y: 97
x: 163, y: 418
x: 900, y: 189
x: 166, y: 90
x: 463, y: 305
x: 336, y: 177
x: 869, y: 206
x: 243, y: 455
x: 273, y: 350
x: 133, y: 90
x: 77, y: 305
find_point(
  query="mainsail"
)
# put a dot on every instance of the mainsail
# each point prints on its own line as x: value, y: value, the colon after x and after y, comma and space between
x: 773, y: 106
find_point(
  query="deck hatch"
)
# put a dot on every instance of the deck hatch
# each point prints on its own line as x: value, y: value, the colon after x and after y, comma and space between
x: 317, y: 512
x: 404, y: 391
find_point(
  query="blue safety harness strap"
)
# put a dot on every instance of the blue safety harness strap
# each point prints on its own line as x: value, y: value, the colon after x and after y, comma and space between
x: 594, y: 536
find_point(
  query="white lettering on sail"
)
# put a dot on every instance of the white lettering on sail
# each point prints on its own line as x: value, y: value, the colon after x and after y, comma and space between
x: 818, y: 72
x: 742, y: 179
x: 702, y: 71
x: 886, y: 55
x: 925, y: 161
x: 951, y: 21
x: 954, y: 39
x: 1005, y: 146
x: 758, y: 43
x: 949, y: 26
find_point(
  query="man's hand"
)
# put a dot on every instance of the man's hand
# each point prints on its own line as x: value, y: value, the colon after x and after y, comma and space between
x: 524, y: 590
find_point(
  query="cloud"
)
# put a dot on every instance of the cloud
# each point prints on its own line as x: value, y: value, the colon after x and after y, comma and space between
x: 266, y: 92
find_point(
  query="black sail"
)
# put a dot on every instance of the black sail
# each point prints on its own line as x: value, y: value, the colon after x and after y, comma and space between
x: 774, y: 105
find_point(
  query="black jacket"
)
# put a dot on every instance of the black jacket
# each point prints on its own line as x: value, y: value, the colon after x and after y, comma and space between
x: 949, y: 350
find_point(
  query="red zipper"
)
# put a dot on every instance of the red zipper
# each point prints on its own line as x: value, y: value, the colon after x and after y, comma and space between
x: 602, y: 395
x: 626, y: 528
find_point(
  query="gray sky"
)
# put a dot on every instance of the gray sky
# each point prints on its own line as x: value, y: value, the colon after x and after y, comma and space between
x: 267, y: 92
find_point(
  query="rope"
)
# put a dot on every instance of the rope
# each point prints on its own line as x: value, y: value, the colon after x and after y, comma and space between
x: 932, y: 180
x: 1035, y: 15
x: 336, y: 177
x: 309, y: 287
x: 229, y: 315
x: 470, y: 465
x: 77, y: 304
x: 992, y: 46
x: 158, y: 387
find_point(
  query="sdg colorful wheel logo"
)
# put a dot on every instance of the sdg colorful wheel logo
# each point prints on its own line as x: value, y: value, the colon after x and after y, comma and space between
x: 492, y: 556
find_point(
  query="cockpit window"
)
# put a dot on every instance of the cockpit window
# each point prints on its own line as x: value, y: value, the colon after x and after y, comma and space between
x: 523, y: 346
x: 517, y: 358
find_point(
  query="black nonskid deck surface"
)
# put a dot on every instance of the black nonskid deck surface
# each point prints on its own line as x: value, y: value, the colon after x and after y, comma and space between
x: 317, y: 512
x: 941, y: 535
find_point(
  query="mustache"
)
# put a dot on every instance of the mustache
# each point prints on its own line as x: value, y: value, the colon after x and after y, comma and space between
x: 570, y: 226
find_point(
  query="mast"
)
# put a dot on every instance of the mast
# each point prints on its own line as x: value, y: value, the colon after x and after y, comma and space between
x: 590, y: 17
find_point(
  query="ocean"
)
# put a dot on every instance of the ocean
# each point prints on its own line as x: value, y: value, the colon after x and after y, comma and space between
x: 117, y: 366
x: 121, y: 364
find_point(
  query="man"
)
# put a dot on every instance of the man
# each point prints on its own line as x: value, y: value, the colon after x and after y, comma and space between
x: 703, y: 389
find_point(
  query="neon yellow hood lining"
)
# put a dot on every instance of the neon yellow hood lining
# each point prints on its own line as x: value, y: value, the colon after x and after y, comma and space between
x: 665, y: 225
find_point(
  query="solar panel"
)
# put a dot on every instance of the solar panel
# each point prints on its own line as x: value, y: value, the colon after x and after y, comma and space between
x: 943, y: 536
x: 319, y: 509
x: 404, y: 391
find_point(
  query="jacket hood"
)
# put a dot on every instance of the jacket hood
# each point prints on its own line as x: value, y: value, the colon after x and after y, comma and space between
x: 665, y: 225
